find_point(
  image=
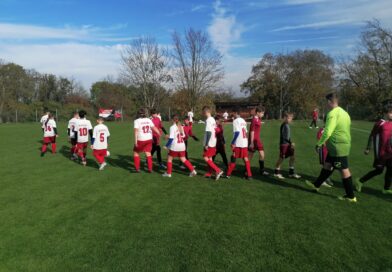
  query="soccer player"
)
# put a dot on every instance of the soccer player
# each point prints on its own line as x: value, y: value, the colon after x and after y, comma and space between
x: 287, y: 148
x: 225, y: 116
x: 315, y: 115
x: 43, y: 120
x: 337, y: 137
x: 50, y: 135
x: 176, y: 147
x: 99, y: 143
x: 239, y: 145
x: 210, y: 144
x: 71, y: 134
x: 381, y: 136
x: 188, y: 134
x: 156, y: 138
x: 190, y: 117
x: 82, y: 131
x: 143, y: 129
x: 323, y: 152
x: 255, y: 143
x: 220, y: 141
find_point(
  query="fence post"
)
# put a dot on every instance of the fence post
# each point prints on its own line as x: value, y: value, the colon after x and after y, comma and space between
x: 169, y: 114
x: 122, y: 115
x: 16, y: 116
x: 36, y: 115
x: 57, y: 119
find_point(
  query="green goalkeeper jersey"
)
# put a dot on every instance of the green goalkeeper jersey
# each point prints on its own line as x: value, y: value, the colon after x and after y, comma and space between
x: 337, y: 134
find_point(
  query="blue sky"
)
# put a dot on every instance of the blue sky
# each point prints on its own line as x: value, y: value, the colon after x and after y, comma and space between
x: 83, y: 39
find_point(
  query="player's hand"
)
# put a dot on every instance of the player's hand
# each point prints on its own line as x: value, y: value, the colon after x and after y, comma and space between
x: 165, y: 147
x: 232, y: 147
x: 293, y: 145
x: 251, y: 146
x: 92, y: 147
x: 166, y: 137
x: 367, y: 151
x: 206, y: 147
x: 195, y: 138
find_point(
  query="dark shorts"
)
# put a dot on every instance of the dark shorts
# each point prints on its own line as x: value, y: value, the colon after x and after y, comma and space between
x: 240, y: 152
x: 286, y: 151
x: 340, y: 163
x: 382, y: 162
x: 257, y: 146
x: 73, y: 141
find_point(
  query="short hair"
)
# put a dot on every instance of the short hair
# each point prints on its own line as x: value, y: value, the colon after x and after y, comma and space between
x: 175, y: 118
x: 237, y: 110
x: 288, y: 114
x: 260, y: 109
x: 388, y: 109
x: 141, y: 113
x: 82, y: 113
x: 100, y: 118
x: 332, y: 97
x: 153, y: 111
x: 75, y: 112
x: 206, y: 108
x: 218, y: 117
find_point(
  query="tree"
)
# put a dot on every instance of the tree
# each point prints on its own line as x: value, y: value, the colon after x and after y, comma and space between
x: 197, y: 65
x: 370, y: 71
x: 145, y: 66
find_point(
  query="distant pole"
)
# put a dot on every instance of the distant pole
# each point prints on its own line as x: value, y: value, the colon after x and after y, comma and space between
x: 16, y: 116
x: 169, y: 114
x: 36, y: 115
x: 56, y: 116
x: 122, y: 115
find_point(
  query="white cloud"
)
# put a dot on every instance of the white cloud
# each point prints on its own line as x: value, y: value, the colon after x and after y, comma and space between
x: 224, y: 29
x: 312, y: 25
x: 10, y: 31
x: 87, y: 63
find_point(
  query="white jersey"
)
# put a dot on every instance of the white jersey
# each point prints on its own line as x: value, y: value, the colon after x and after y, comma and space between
x: 71, y: 127
x: 49, y: 128
x: 239, y: 125
x: 82, y: 128
x: 144, y: 126
x: 43, y: 120
x: 225, y: 115
x: 101, y: 134
x: 210, y: 127
x: 178, y: 143
x: 190, y: 116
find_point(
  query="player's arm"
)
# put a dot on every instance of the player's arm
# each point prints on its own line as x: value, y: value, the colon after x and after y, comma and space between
x: 330, y: 126
x: 370, y: 139
x: 163, y: 130
x: 55, y: 129
x: 156, y: 130
x: 171, y: 139
x: 93, y: 139
x: 252, y: 134
x: 235, y: 136
x: 286, y: 135
x: 136, y: 132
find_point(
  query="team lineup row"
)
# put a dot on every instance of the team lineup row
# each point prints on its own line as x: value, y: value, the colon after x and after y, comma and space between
x: 333, y: 146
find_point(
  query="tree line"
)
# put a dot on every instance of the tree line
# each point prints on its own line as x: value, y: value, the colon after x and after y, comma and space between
x: 189, y: 73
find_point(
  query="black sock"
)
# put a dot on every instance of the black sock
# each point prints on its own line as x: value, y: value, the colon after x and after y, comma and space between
x: 388, y: 178
x: 224, y: 159
x: 277, y: 171
x: 371, y: 174
x: 348, y: 187
x: 291, y: 171
x: 261, y: 164
x: 324, y: 175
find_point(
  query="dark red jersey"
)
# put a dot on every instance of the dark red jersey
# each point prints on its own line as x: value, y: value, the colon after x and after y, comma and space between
x: 158, y: 124
x: 382, y: 135
x: 323, y: 152
x: 187, y: 131
x: 315, y: 115
x: 255, y: 126
x: 219, y: 133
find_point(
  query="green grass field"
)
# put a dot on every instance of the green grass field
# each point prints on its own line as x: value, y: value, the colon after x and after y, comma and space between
x: 56, y: 215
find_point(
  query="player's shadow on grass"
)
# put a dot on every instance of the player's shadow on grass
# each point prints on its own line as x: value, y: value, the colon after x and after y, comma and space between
x: 121, y: 161
x: 66, y: 152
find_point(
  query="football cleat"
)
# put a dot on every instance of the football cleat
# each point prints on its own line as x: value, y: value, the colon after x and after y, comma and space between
x: 279, y: 176
x: 162, y: 166
x: 84, y: 163
x: 351, y: 200
x: 387, y: 192
x: 325, y: 184
x: 107, y: 153
x: 311, y: 185
x: 294, y: 176
x: 193, y: 174
x: 218, y: 176
x: 166, y: 175
x: 102, y: 166
x: 358, y: 185
x: 265, y: 173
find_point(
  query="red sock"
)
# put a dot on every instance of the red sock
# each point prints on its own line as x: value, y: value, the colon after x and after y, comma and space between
x: 213, y: 166
x: 189, y: 165
x: 248, y: 169
x: 169, y: 168
x: 231, y: 168
x: 53, y: 148
x: 149, y: 163
x: 43, y: 149
x: 136, y: 160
